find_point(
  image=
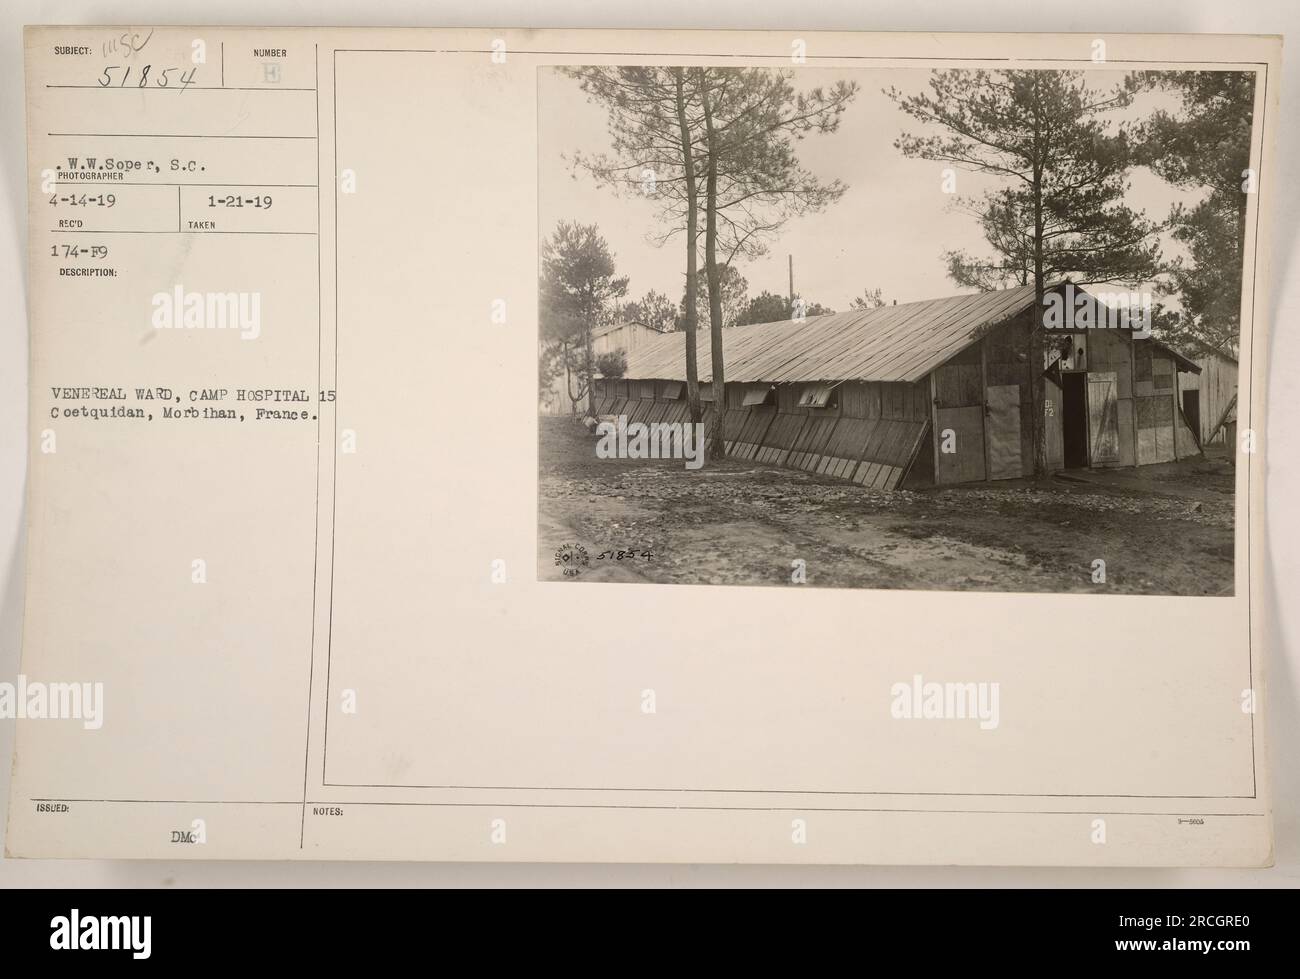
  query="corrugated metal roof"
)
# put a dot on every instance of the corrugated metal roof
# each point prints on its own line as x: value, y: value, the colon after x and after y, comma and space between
x: 601, y: 331
x: 889, y: 343
x: 1198, y: 350
x: 1183, y: 363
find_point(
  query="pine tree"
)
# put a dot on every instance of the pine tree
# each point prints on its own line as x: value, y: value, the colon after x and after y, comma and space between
x: 577, y: 291
x: 754, y: 183
x: 655, y: 148
x: 716, y: 144
x: 1060, y: 211
x: 1205, y: 145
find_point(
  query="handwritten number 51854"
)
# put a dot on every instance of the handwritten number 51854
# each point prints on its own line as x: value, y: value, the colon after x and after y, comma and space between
x: 143, y: 78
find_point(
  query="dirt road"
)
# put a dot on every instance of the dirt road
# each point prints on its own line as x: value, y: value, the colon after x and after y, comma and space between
x: 1160, y: 529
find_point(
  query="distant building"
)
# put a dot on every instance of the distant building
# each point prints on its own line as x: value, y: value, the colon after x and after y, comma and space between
x: 625, y: 336
x: 1209, y: 399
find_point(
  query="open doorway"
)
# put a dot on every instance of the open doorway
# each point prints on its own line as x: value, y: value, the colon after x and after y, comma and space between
x: 1192, y: 410
x: 1074, y: 420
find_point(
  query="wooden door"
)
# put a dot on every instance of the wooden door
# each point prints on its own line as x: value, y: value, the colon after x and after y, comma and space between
x: 1003, y: 432
x: 1103, y: 418
x: 960, y: 444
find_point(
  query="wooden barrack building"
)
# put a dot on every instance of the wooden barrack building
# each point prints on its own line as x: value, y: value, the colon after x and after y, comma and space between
x: 923, y: 393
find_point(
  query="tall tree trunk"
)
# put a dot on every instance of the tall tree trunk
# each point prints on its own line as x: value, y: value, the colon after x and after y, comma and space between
x: 568, y: 381
x: 692, y: 257
x: 1241, y: 227
x: 1037, y: 428
x: 717, y: 446
x: 588, y: 370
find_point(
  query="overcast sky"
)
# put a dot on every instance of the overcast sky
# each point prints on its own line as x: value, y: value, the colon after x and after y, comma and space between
x: 888, y: 231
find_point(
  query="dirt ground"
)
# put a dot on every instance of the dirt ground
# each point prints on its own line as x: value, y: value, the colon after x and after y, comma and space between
x: 1164, y: 530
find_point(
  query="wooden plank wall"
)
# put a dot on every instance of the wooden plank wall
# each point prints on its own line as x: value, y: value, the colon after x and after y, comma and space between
x: 745, y: 428
x: 1111, y: 351
x: 1004, y: 350
x: 602, y: 386
x: 959, y: 383
x: 1155, y: 405
x: 807, y: 451
x: 1052, y: 408
x: 959, y: 407
x: 869, y: 433
x: 1217, y: 383
x: 877, y: 435
x: 780, y: 437
x: 967, y: 463
x: 1184, y: 442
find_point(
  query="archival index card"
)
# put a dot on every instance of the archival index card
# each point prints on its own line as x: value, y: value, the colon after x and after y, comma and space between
x: 645, y: 446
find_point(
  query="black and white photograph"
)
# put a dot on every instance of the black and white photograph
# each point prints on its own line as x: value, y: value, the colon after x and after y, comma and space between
x: 370, y: 370
x: 898, y: 328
